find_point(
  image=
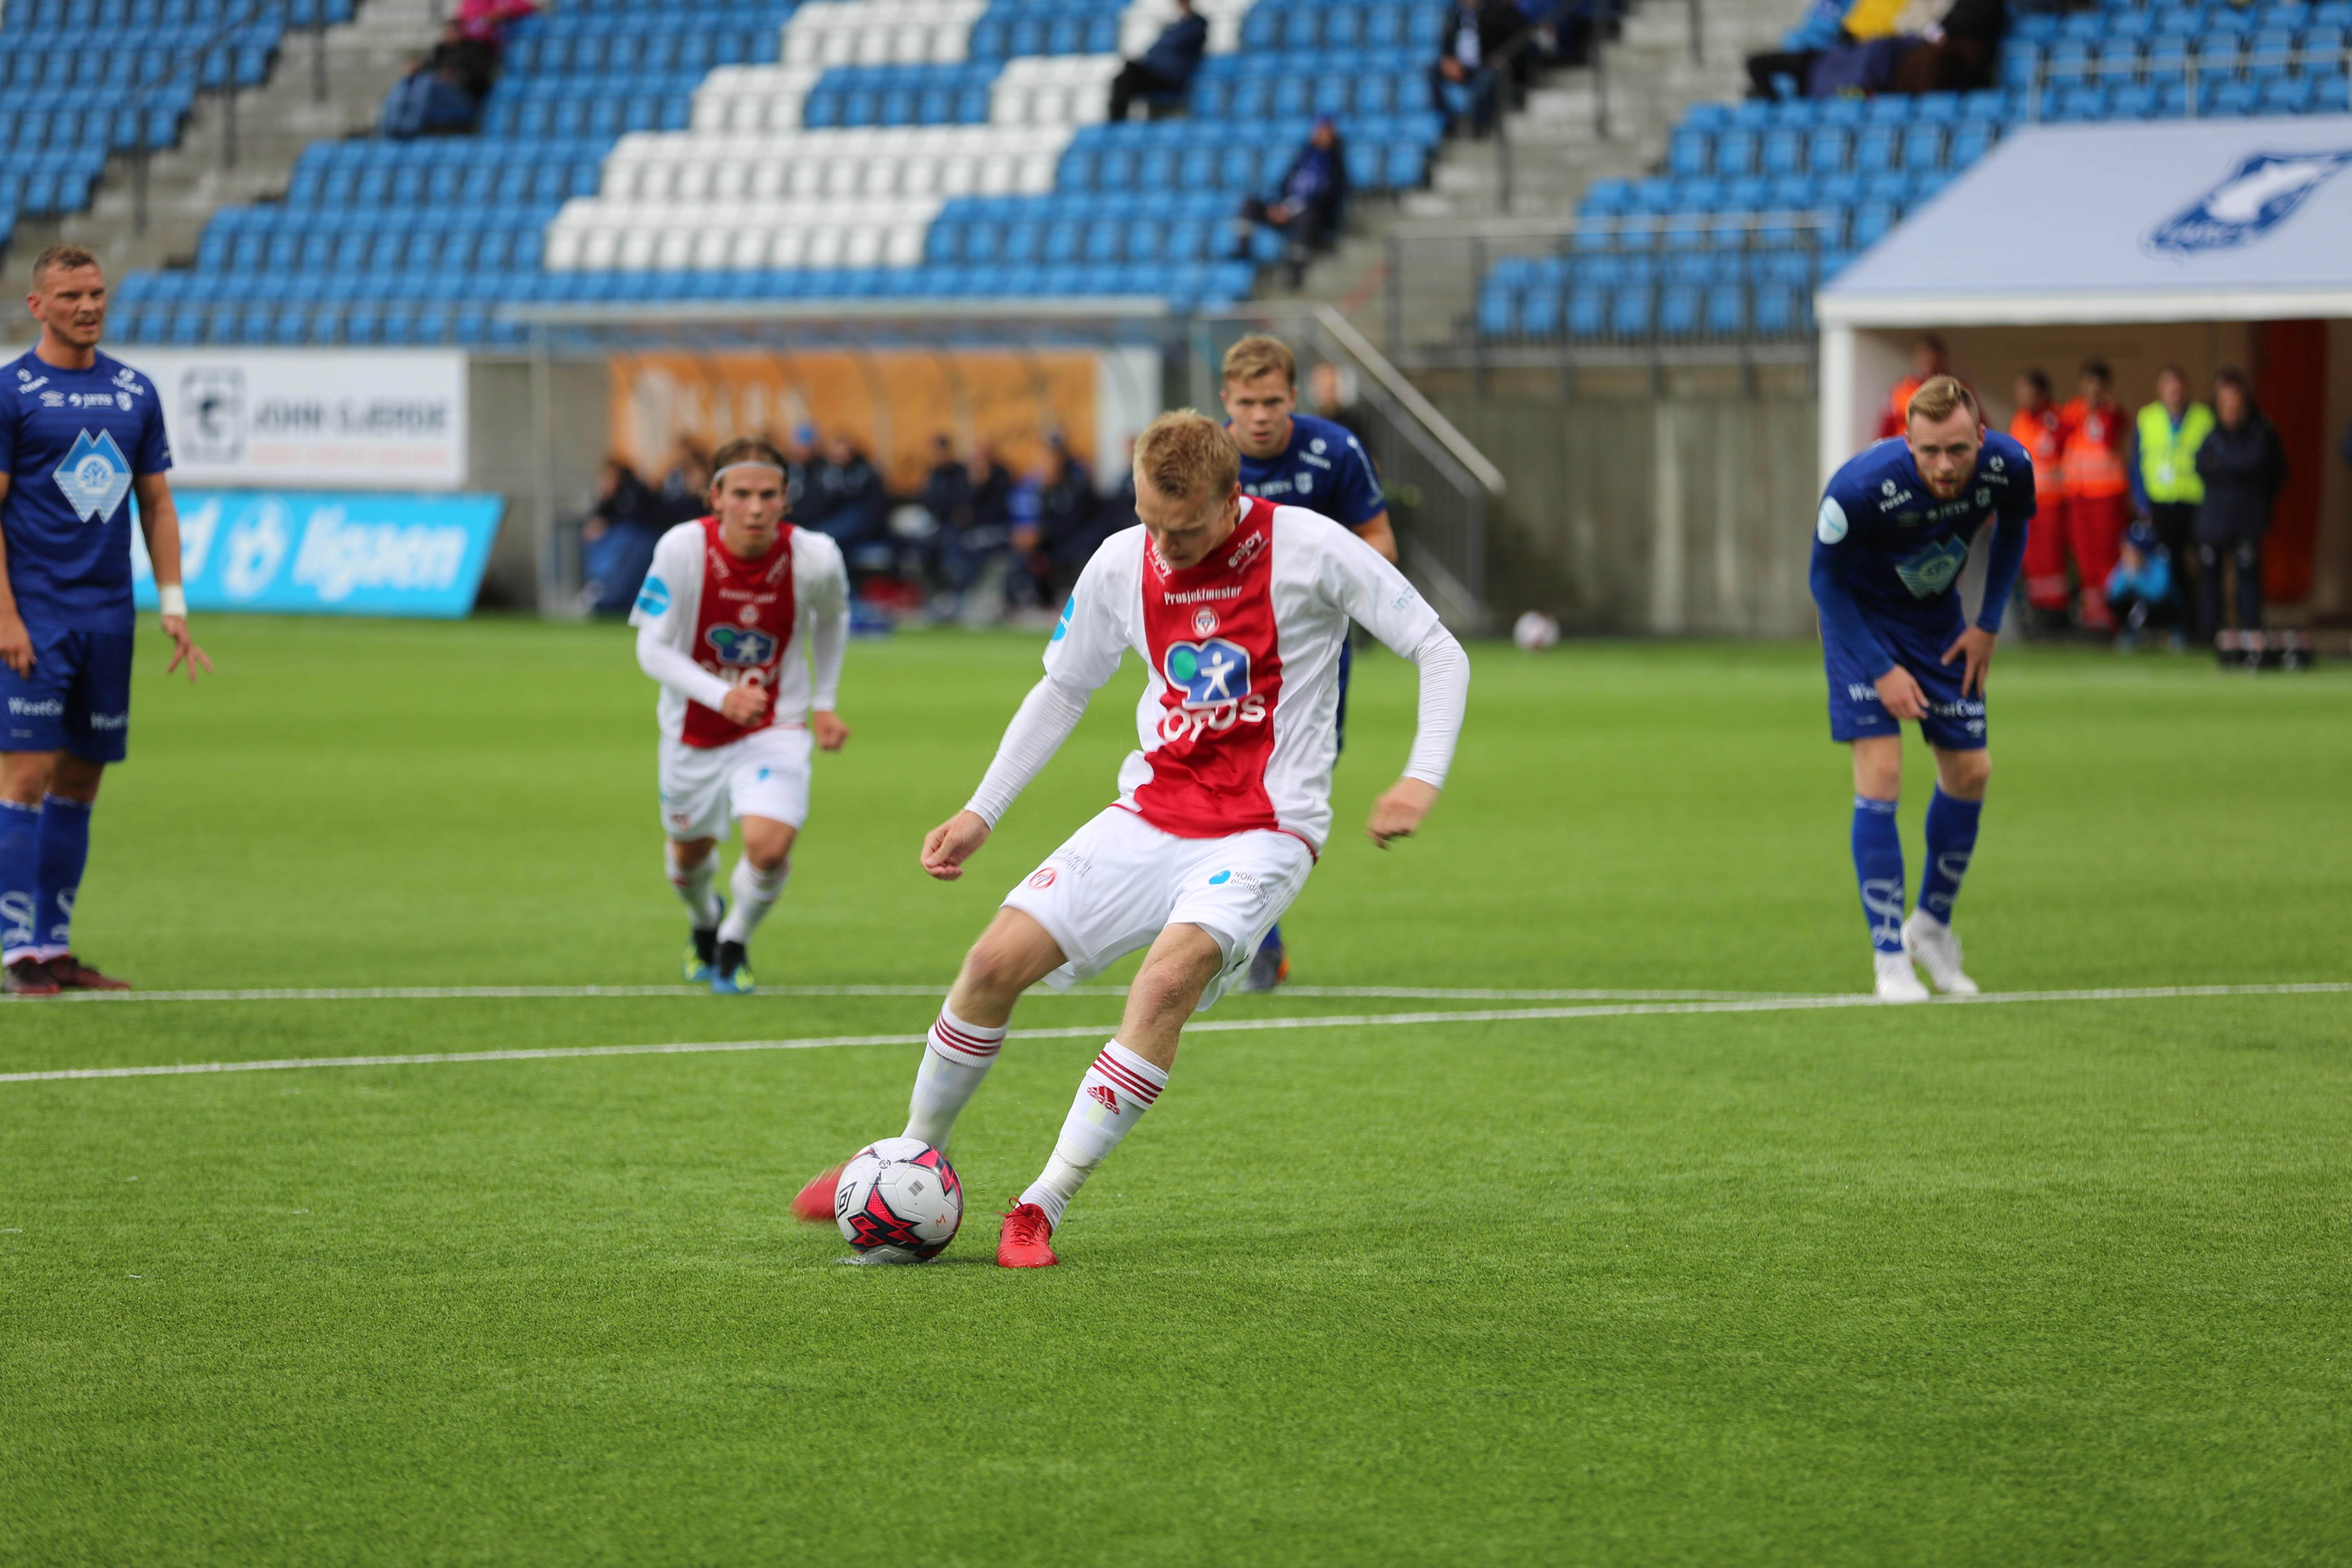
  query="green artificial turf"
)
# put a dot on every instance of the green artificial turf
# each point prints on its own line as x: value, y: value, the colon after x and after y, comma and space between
x: 2046, y: 1281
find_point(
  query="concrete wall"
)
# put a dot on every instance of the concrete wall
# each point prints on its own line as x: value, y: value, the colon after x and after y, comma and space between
x: 1683, y: 513
x: 503, y: 444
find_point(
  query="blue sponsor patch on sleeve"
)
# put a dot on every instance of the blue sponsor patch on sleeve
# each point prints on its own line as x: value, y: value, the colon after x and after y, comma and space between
x: 653, y: 599
x: 1062, y: 626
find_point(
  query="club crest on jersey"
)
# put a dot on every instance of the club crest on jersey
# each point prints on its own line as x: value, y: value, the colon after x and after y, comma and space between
x: 1931, y: 571
x: 745, y: 646
x: 1208, y: 672
x: 94, y: 477
x: 1204, y: 623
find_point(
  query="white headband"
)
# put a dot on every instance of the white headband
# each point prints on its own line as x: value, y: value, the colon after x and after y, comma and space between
x: 746, y: 463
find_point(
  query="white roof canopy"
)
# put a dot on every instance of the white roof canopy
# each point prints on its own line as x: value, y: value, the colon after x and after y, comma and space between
x: 2185, y: 220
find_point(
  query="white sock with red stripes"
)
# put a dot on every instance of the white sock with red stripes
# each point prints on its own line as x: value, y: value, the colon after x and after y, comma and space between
x: 1112, y: 1098
x: 695, y: 885
x: 756, y: 892
x: 956, y: 1056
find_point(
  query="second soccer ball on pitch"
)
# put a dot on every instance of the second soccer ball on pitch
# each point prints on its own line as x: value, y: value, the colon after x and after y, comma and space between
x: 1535, y: 631
x: 899, y: 1200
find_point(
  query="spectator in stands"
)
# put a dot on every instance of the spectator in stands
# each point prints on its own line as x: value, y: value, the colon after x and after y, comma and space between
x: 2165, y: 486
x: 975, y: 520
x: 1479, y: 43
x: 2098, y: 489
x: 433, y: 99
x: 1056, y: 544
x: 616, y: 542
x: 2040, y: 427
x: 1307, y: 211
x: 846, y: 498
x: 1927, y: 359
x: 2242, y: 463
x: 684, y: 493
x: 1167, y: 67
x: 1877, y: 47
x: 2141, y: 590
x: 1327, y: 395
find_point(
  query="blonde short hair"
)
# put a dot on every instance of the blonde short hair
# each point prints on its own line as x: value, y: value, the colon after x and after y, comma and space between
x: 1258, y: 354
x: 1938, y: 397
x: 1188, y: 457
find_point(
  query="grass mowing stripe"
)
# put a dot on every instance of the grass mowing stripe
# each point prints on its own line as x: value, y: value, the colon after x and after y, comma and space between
x: 1212, y: 1026
x: 566, y: 992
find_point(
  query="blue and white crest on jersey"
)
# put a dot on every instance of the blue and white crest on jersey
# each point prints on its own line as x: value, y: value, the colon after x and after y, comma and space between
x: 2263, y: 191
x: 1208, y: 672
x: 745, y: 645
x: 653, y: 598
x: 94, y: 477
x: 1931, y: 571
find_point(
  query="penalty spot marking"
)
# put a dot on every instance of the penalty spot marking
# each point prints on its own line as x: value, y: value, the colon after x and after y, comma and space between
x: 564, y: 992
x: 1207, y: 1027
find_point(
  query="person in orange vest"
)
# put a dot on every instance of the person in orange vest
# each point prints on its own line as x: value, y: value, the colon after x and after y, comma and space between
x: 2098, y: 489
x: 2040, y: 430
x: 1926, y: 360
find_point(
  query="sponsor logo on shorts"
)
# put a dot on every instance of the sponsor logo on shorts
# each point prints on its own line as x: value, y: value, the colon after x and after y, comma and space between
x: 44, y: 707
x: 1042, y: 878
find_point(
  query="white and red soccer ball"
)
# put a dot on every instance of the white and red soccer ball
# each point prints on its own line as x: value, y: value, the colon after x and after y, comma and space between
x: 899, y: 1200
x: 1535, y: 631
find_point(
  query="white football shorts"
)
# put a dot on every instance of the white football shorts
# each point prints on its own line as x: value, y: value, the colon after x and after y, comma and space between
x: 1118, y: 881
x: 765, y: 774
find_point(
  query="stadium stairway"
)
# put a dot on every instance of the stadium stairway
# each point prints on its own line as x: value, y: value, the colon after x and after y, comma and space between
x: 276, y: 120
x: 1557, y: 151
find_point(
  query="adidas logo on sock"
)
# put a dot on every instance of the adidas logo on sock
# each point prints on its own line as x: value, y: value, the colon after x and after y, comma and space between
x: 1106, y: 1095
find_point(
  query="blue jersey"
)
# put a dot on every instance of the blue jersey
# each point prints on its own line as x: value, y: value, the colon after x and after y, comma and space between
x: 1886, y: 551
x: 71, y: 442
x: 1323, y: 469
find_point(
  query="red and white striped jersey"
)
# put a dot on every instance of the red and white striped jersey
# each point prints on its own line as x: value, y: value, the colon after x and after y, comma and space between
x: 745, y: 622
x: 1238, y: 723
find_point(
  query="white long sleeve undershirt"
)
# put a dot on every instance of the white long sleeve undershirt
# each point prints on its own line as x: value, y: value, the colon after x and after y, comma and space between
x: 1051, y: 711
x: 670, y: 664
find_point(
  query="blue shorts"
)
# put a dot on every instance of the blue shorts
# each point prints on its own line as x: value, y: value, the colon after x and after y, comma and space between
x: 1955, y: 723
x: 76, y: 699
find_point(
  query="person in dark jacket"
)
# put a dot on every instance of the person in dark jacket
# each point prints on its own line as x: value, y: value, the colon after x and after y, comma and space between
x: 846, y: 495
x: 617, y: 539
x: 1477, y: 43
x: 2243, y: 464
x: 1306, y: 212
x: 1167, y: 67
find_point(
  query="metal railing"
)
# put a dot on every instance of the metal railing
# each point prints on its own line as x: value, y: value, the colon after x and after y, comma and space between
x: 2194, y: 70
x: 1441, y: 491
x: 192, y: 59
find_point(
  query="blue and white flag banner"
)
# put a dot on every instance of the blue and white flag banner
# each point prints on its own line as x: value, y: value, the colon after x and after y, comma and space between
x: 329, y: 553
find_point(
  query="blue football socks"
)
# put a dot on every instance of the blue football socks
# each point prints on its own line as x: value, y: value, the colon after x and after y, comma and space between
x: 1951, y: 840
x: 20, y: 878
x: 1878, y: 867
x: 64, y: 850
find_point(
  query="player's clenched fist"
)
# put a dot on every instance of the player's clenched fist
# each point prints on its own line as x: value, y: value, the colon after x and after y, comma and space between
x: 946, y: 846
x: 829, y: 731
x: 744, y: 703
x: 1397, y: 812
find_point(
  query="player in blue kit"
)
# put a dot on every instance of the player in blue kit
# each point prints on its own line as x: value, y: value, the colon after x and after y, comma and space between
x: 81, y: 433
x: 1295, y: 460
x: 1894, y: 531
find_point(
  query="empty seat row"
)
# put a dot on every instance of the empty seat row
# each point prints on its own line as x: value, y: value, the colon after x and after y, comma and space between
x: 118, y: 18
x: 1891, y: 108
x: 1829, y: 149
x: 1643, y: 312
x: 953, y: 94
x: 1797, y: 193
x: 1057, y: 241
x: 1275, y: 25
x: 487, y: 182
x: 2173, y: 99
x: 345, y: 260
x: 36, y: 188
x: 733, y: 235
x: 631, y: 54
x: 1240, y: 166
x: 1027, y: 27
x: 916, y: 162
x: 2321, y: 49
x: 880, y: 32
x: 1256, y: 97
x: 602, y: 116
x: 93, y: 131
x: 2137, y: 21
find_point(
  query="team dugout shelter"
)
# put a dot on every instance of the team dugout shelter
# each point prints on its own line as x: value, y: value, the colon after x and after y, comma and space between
x: 2203, y: 243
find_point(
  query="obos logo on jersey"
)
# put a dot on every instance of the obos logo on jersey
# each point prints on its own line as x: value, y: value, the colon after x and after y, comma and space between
x: 1214, y: 677
x: 94, y: 477
x: 747, y: 647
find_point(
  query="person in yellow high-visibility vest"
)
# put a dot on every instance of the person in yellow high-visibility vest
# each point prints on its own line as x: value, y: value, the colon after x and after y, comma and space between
x: 2165, y: 486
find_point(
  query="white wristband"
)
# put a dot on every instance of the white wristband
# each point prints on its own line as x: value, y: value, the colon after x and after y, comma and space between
x: 172, y: 599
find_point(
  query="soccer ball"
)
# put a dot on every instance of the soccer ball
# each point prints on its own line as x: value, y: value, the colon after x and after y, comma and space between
x: 899, y: 1200
x: 1535, y: 631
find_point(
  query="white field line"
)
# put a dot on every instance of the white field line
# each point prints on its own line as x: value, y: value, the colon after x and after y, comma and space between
x: 1214, y: 1026
x: 559, y: 992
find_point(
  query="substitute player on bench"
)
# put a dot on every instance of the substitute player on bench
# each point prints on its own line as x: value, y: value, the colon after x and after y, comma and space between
x: 1894, y: 531
x: 737, y: 609
x: 1296, y: 459
x: 81, y: 433
x: 1239, y: 608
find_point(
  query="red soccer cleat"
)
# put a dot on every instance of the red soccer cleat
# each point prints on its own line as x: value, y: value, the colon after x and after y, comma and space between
x: 1026, y: 1242
x: 27, y: 977
x: 813, y: 1206
x: 72, y: 975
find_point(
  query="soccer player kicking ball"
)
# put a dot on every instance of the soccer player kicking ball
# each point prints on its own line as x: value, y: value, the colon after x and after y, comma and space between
x: 1295, y: 460
x: 81, y: 433
x: 1894, y: 533
x: 736, y: 609
x: 1238, y: 608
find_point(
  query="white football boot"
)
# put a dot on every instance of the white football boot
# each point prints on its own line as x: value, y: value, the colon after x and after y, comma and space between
x: 1896, y: 980
x: 1929, y: 943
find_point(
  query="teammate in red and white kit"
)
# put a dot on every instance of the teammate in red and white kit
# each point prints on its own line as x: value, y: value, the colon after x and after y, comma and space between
x: 1239, y: 608
x: 736, y: 609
